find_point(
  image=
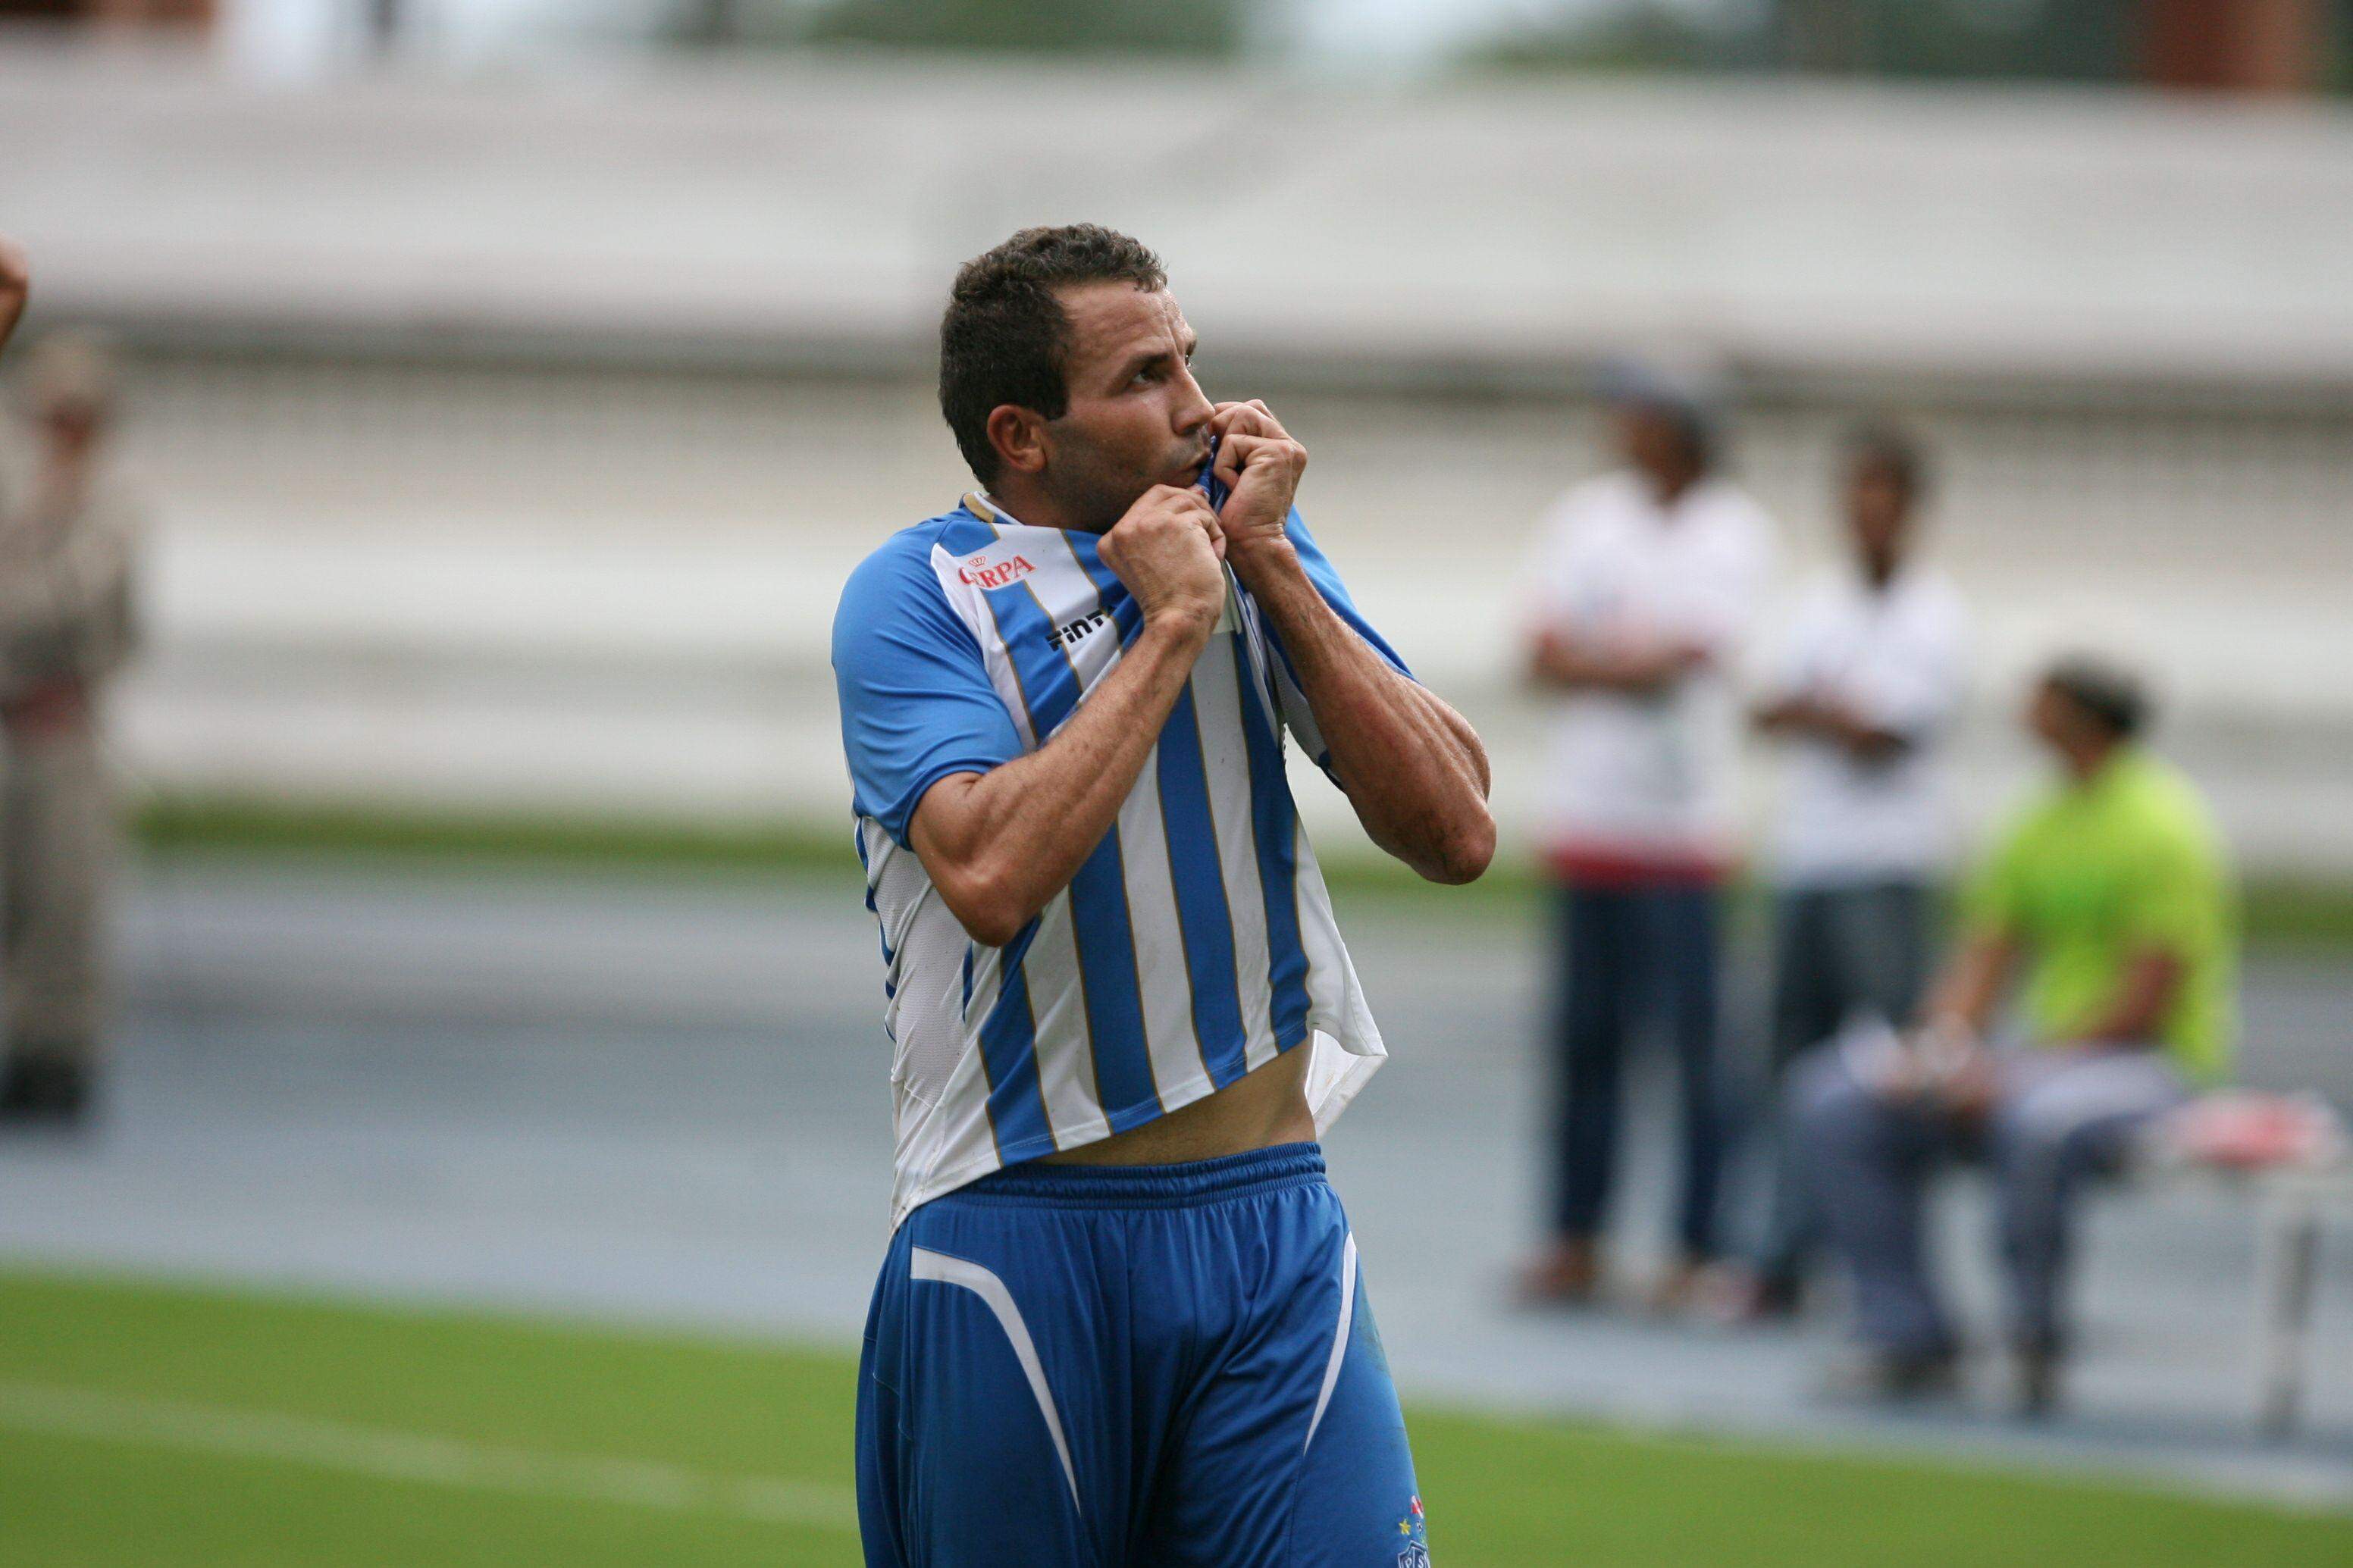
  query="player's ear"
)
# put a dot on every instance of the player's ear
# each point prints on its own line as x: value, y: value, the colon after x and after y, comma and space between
x: 1019, y: 436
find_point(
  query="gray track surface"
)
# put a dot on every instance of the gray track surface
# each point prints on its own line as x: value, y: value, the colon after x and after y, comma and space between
x: 662, y: 1099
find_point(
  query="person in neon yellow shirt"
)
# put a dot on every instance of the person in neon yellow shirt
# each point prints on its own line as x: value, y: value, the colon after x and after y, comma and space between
x: 2111, y: 892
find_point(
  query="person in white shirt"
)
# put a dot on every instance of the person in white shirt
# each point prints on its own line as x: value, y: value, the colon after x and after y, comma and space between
x: 1644, y: 584
x: 1869, y: 682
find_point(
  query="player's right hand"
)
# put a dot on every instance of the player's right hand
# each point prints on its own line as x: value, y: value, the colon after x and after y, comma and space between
x: 1170, y: 552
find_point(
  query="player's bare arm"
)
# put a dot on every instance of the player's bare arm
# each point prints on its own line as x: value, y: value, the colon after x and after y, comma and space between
x: 1412, y: 767
x: 999, y: 845
x: 15, y: 285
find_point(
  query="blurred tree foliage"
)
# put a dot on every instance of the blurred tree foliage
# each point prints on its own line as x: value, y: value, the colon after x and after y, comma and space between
x: 2060, y: 40
x: 1199, y: 28
x: 1639, y: 36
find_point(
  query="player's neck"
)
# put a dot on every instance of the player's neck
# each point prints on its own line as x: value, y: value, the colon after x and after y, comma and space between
x: 1027, y: 503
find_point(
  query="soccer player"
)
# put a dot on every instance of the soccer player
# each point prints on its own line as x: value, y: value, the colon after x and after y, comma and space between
x: 1121, y: 1318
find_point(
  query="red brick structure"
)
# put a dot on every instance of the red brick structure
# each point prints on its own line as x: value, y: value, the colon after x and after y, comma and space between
x: 2235, y: 46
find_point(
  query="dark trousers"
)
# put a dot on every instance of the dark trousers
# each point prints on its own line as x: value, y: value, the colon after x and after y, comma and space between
x: 2059, y: 1118
x: 1837, y: 953
x: 1627, y: 955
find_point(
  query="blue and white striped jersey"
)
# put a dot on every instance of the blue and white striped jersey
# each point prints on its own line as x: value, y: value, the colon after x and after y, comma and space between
x: 1197, y: 941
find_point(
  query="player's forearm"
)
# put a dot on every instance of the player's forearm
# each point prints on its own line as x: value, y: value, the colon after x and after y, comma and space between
x: 1419, y: 784
x: 1000, y: 844
x: 1413, y: 768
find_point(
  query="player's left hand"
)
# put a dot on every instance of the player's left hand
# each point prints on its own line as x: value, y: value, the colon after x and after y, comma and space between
x: 1260, y: 465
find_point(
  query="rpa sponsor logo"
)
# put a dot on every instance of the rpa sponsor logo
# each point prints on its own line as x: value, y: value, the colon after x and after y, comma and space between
x: 983, y: 573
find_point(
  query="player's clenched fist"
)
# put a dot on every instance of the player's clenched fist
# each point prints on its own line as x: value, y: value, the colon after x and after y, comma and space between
x: 1262, y: 465
x: 1169, y: 552
x: 15, y: 282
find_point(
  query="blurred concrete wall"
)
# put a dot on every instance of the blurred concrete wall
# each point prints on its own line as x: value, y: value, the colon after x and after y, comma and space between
x: 610, y: 590
x: 512, y: 440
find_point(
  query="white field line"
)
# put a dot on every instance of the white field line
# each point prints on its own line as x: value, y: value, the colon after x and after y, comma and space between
x: 416, y: 1457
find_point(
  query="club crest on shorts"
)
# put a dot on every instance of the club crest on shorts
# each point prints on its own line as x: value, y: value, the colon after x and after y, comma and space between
x: 1411, y: 1531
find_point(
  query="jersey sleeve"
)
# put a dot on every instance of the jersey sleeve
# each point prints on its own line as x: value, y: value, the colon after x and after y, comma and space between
x: 1298, y: 716
x: 916, y: 702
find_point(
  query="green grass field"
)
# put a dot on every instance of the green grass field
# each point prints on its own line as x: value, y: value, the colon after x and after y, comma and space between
x: 162, y: 1426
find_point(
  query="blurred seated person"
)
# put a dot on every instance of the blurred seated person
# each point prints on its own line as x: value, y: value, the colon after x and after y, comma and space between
x: 2110, y: 890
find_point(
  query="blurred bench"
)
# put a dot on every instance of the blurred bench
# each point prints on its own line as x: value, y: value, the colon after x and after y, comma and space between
x: 2290, y: 1155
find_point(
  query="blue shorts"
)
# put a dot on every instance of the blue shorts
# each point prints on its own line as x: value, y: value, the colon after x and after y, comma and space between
x: 1116, y: 1366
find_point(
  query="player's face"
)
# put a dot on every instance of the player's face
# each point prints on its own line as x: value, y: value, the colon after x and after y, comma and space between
x: 1135, y: 416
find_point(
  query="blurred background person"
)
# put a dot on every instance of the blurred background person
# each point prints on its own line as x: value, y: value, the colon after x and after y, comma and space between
x: 68, y: 527
x: 1645, y: 583
x: 2112, y: 885
x: 1871, y: 678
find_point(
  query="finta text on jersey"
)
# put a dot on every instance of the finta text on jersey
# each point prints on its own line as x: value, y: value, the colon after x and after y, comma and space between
x: 1066, y: 636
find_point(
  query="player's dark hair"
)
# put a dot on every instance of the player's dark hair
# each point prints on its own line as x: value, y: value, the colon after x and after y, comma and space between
x: 1006, y: 338
x: 2113, y: 696
x: 1894, y: 451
